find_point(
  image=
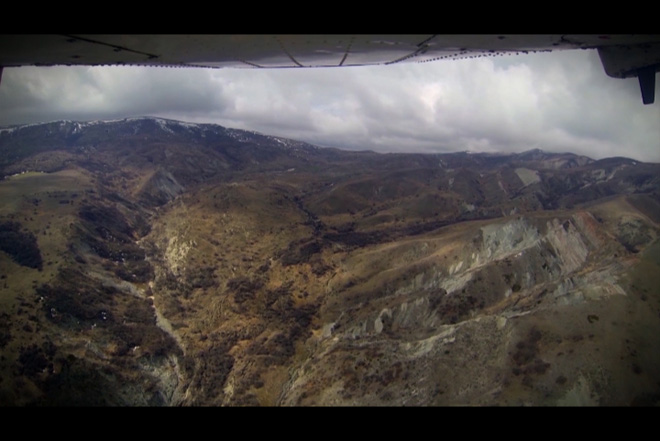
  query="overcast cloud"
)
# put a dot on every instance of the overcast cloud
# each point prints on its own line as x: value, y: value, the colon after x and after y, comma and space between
x: 560, y: 101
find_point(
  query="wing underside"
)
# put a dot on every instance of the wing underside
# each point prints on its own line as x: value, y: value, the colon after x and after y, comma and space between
x: 622, y: 56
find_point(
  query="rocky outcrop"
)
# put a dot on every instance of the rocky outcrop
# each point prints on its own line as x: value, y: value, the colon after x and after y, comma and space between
x: 159, y: 189
x: 466, y: 314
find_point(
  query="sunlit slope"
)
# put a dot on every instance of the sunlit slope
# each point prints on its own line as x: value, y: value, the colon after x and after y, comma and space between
x: 522, y: 310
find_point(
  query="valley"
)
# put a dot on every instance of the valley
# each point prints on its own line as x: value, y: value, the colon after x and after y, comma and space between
x: 175, y: 264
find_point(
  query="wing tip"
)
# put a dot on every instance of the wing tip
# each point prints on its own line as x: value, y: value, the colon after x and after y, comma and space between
x: 646, y: 76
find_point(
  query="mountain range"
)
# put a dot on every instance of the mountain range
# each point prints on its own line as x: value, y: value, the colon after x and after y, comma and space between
x: 153, y: 262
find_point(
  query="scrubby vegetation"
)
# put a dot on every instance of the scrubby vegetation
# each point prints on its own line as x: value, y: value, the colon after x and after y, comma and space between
x: 5, y: 326
x: 76, y: 301
x: 456, y: 307
x: 244, y: 288
x: 137, y: 271
x: 36, y: 359
x: 299, y: 252
x: 20, y: 245
x: 526, y: 357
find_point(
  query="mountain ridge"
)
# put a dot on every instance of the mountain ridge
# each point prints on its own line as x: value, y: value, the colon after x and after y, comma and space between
x: 71, y: 127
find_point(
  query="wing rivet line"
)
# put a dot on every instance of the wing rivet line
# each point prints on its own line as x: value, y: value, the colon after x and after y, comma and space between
x: 284, y: 49
x: 115, y: 47
x: 348, y: 50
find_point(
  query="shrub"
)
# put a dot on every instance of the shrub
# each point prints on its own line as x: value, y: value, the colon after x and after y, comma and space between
x: 21, y: 246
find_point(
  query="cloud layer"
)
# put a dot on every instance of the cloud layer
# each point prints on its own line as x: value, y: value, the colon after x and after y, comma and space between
x: 560, y: 101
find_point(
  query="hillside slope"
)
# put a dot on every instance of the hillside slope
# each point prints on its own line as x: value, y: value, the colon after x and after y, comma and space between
x: 152, y: 262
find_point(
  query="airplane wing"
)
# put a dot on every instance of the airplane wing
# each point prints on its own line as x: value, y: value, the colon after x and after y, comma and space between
x: 622, y: 56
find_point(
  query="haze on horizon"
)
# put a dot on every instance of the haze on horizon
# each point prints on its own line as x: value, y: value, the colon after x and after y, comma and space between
x: 557, y: 102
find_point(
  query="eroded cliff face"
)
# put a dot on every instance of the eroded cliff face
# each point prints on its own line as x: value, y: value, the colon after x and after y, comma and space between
x: 534, y: 310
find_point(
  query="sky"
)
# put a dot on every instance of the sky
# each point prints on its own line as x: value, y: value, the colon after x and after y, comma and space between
x: 558, y: 102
